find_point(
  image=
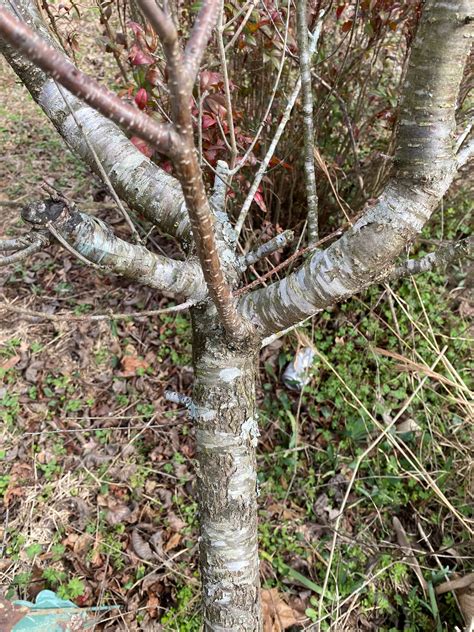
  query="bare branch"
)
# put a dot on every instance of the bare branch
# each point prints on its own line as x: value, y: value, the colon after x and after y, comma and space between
x: 178, y: 398
x: 37, y: 245
x: 291, y: 259
x: 199, y: 37
x: 60, y: 318
x: 177, y: 141
x: 465, y: 153
x: 95, y: 242
x: 19, y: 243
x: 266, y: 249
x: 225, y: 75
x: 447, y: 253
x: 21, y: 37
x: 308, y: 135
x: 220, y: 186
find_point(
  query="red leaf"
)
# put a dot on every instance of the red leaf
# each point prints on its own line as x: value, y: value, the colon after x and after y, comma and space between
x: 258, y: 199
x: 276, y: 162
x: 153, y: 76
x: 139, y: 58
x: 340, y: 10
x: 210, y: 79
x: 207, y: 121
x: 347, y: 26
x: 146, y: 149
x: 141, y: 98
x: 136, y: 28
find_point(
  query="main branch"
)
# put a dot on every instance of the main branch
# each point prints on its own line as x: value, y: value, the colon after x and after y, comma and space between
x: 93, y: 241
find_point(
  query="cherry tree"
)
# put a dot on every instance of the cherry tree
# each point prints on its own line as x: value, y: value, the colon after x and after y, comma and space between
x: 230, y: 323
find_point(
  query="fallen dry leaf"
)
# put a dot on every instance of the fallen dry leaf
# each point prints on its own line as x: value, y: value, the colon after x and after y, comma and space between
x: 175, y: 523
x: 173, y: 542
x: 130, y: 365
x: 10, y: 363
x: 141, y: 547
x: 277, y: 614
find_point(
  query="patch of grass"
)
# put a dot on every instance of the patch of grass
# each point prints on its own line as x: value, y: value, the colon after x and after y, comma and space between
x: 353, y: 393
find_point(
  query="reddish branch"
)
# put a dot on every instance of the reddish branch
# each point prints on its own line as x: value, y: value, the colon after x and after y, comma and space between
x: 199, y: 37
x: 181, y: 72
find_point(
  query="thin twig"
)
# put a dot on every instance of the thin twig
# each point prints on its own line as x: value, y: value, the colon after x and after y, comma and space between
x: 241, y: 26
x: 264, y: 120
x: 94, y: 317
x: 266, y: 249
x: 225, y: 75
x: 199, y: 37
x: 100, y: 167
x: 22, y: 254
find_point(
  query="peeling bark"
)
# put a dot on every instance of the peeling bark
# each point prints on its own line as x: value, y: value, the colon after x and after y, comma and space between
x: 93, y: 240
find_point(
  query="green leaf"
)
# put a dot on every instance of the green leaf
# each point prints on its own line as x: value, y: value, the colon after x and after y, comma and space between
x: 308, y: 583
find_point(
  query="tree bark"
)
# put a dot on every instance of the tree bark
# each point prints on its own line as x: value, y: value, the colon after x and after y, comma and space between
x: 224, y: 412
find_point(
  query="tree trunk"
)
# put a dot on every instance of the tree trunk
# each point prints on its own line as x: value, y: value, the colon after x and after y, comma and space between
x: 226, y: 437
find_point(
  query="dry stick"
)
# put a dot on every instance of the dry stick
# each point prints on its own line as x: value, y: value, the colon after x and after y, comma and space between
x: 407, y: 549
x: 308, y: 127
x: 281, y: 127
x: 22, y: 254
x: 100, y: 167
x: 185, y: 158
x: 22, y: 38
x: 225, y: 75
x: 94, y: 317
